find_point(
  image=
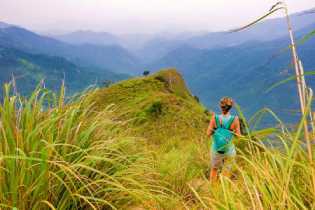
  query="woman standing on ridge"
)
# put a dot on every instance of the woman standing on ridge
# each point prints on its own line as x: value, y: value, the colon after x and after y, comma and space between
x: 222, y: 128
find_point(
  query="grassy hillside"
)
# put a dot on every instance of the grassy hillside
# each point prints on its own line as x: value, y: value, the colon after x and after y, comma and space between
x: 157, y: 107
x: 139, y: 144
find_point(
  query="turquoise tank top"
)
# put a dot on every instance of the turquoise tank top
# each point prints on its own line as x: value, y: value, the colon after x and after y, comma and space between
x: 231, y: 148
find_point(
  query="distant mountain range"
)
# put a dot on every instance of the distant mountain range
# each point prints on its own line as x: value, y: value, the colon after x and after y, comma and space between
x: 30, y: 58
x: 149, y: 48
x: 268, y: 30
x: 112, y: 57
x: 244, y: 72
x: 89, y: 37
x: 29, y: 70
x: 4, y: 25
x: 242, y: 65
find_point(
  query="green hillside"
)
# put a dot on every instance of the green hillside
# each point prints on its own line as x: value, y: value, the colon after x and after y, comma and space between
x: 140, y: 144
x: 157, y: 107
x: 30, y: 69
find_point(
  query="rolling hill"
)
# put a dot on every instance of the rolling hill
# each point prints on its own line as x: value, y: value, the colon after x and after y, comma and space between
x: 114, y: 57
x: 30, y: 69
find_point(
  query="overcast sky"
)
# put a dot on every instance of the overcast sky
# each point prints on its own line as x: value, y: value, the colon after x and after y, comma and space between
x: 132, y: 16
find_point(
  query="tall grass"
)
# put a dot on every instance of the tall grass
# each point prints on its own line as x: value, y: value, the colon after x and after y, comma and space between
x: 67, y: 157
x: 267, y: 177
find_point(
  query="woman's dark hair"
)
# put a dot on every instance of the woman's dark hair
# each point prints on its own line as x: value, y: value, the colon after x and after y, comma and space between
x: 226, y: 104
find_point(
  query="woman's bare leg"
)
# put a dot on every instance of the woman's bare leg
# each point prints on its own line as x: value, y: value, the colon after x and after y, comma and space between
x: 213, y: 175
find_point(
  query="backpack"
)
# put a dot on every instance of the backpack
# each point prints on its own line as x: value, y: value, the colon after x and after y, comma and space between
x: 223, y: 135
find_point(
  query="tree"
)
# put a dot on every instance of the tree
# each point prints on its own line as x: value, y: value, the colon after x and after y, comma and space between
x: 146, y: 73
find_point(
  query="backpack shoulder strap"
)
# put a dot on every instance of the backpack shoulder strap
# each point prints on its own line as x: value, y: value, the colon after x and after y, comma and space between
x: 229, y: 123
x: 217, y: 121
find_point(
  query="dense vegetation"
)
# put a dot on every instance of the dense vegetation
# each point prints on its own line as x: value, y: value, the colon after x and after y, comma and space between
x: 139, y: 144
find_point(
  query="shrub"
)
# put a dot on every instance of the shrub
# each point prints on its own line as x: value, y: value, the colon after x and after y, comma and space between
x: 155, y: 109
x: 197, y: 98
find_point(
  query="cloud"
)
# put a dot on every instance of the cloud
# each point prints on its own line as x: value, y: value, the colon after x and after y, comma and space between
x: 123, y: 16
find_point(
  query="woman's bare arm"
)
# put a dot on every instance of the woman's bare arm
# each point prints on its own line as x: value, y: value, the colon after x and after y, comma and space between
x: 237, y: 127
x: 211, y: 127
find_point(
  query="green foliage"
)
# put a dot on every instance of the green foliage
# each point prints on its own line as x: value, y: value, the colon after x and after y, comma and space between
x: 155, y: 109
x: 179, y: 163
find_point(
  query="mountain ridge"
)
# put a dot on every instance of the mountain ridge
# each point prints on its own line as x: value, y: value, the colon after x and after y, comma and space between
x: 29, y: 70
x: 245, y: 72
x: 114, y: 58
x: 88, y: 37
x: 268, y: 30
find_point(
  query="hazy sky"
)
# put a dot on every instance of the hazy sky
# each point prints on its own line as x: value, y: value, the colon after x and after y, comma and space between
x: 131, y: 16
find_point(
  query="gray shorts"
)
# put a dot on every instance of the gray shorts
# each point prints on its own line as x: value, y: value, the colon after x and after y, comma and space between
x: 222, y: 161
